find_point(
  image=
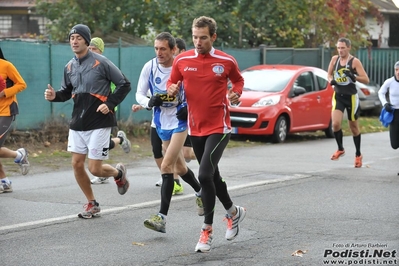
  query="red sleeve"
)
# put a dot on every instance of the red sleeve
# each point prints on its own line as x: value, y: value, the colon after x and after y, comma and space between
x: 175, y: 75
x: 236, y: 79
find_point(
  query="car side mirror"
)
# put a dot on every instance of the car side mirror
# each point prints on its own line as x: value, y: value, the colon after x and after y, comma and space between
x: 298, y: 90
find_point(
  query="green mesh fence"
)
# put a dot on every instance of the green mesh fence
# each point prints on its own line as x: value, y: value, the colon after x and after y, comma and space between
x: 379, y: 63
x: 43, y: 63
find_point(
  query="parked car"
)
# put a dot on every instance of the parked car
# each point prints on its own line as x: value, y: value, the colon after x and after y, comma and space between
x: 282, y: 99
x: 368, y: 97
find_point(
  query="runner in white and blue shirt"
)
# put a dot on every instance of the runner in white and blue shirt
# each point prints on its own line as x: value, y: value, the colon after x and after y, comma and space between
x: 152, y: 82
x: 170, y: 126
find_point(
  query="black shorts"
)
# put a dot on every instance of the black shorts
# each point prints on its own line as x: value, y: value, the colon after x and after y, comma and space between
x: 348, y: 102
x: 5, y: 122
x: 187, y: 143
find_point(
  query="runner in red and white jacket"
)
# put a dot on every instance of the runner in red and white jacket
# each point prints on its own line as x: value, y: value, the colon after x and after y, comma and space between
x: 205, y: 79
x: 205, y: 73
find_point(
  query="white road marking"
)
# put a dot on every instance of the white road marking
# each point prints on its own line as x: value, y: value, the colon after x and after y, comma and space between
x: 144, y: 204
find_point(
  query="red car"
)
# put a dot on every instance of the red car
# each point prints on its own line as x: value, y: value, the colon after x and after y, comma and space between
x: 282, y: 99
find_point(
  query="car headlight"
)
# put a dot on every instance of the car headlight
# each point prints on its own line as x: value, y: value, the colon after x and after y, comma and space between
x: 271, y: 100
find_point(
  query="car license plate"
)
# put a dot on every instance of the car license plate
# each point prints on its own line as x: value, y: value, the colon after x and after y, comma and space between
x: 234, y: 130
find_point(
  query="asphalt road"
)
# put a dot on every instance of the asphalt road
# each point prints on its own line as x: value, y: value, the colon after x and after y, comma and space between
x: 296, y: 199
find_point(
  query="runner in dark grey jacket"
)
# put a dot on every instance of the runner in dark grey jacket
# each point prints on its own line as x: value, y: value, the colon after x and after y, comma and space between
x: 87, y: 80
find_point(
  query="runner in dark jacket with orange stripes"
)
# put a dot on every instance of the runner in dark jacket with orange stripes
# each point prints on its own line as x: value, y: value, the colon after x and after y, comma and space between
x: 87, y: 80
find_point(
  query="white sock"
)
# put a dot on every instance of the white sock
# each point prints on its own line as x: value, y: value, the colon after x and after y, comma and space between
x: 19, y: 156
x: 232, y: 211
x: 5, y: 179
x: 207, y: 226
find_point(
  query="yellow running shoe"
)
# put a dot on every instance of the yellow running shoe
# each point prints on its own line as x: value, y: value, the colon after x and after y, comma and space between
x: 177, y: 189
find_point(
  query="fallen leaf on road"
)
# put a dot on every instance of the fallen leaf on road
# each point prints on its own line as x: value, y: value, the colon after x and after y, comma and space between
x: 138, y: 244
x: 299, y: 253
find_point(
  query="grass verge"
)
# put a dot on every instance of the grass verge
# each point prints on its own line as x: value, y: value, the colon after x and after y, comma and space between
x: 47, y: 146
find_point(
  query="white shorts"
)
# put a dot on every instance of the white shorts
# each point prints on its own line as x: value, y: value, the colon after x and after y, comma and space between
x: 95, y: 143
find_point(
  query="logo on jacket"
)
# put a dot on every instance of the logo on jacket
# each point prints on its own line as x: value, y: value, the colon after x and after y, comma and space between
x: 96, y: 63
x: 190, y: 68
x: 158, y: 80
x: 218, y: 70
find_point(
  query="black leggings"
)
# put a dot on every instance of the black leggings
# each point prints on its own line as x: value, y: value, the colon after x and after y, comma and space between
x: 209, y: 151
x: 394, y: 130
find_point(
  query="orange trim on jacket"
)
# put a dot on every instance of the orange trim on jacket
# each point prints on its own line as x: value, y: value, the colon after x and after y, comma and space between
x: 9, y: 104
x: 99, y: 96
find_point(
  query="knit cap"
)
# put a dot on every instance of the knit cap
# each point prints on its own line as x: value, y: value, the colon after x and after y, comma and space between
x: 98, y: 43
x: 82, y: 30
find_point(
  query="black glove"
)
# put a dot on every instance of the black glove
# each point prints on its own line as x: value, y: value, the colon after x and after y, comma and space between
x: 388, y: 107
x: 333, y: 82
x: 155, y: 100
x: 350, y: 75
x: 182, y: 113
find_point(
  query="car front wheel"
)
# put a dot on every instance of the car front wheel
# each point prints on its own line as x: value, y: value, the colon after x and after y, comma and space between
x: 280, y: 130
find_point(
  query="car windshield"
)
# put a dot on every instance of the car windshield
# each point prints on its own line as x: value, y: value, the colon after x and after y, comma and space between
x: 269, y: 80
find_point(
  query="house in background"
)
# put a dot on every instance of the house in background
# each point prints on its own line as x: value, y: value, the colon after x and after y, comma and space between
x: 18, y: 19
x: 389, y: 36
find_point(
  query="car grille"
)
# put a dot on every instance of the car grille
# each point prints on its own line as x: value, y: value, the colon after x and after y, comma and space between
x: 243, y: 119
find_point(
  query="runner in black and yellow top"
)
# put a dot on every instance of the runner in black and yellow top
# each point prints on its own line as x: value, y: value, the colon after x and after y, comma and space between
x: 343, y: 72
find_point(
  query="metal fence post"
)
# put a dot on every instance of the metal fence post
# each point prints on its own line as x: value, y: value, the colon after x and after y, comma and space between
x: 322, y: 57
x: 262, y: 51
x: 119, y: 52
x: 50, y: 61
